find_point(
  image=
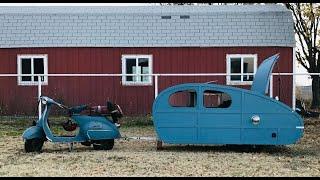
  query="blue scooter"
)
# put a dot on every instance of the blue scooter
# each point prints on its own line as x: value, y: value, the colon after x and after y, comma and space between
x: 94, y: 129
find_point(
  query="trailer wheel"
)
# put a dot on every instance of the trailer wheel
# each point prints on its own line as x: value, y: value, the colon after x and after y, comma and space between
x: 33, y: 145
x: 104, y: 144
x: 159, y: 145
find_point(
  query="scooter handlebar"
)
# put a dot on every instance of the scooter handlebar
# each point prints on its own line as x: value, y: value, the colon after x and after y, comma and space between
x: 63, y: 106
x: 77, y: 109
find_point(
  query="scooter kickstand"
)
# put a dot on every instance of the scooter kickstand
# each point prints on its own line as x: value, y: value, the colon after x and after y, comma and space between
x: 70, y: 147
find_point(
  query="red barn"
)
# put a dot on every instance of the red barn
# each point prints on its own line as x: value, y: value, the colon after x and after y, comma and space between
x: 135, y: 41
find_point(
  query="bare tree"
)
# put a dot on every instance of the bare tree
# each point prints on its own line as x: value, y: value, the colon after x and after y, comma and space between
x: 306, y: 23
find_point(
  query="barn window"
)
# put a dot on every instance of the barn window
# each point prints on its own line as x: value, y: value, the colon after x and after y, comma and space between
x: 242, y: 68
x: 31, y: 65
x: 216, y: 99
x: 135, y: 66
x: 186, y: 98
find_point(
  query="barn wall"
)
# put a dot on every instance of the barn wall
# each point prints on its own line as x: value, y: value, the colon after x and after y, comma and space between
x: 134, y: 100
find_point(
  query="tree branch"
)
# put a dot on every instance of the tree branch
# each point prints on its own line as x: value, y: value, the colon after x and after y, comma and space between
x: 302, y: 61
x: 299, y: 25
x: 303, y: 45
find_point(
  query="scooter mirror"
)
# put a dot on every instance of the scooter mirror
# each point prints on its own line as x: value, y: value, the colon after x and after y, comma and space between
x: 43, y: 101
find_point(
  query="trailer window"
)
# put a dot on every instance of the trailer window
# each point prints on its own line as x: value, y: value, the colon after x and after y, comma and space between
x: 32, y: 65
x: 186, y: 98
x: 135, y: 66
x: 216, y: 99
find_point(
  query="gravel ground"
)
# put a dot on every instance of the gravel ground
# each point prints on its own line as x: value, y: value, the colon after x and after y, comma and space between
x: 140, y: 158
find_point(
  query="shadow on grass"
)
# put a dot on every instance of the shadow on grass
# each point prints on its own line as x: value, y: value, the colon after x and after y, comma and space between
x: 59, y: 148
x: 267, y: 149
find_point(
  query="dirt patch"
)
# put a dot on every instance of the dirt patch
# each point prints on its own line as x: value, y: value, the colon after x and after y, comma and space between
x: 140, y: 158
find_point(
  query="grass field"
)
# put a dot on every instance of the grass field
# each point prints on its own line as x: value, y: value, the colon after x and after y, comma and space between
x: 140, y: 158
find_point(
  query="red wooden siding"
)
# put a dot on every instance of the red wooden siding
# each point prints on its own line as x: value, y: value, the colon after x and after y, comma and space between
x: 134, y: 100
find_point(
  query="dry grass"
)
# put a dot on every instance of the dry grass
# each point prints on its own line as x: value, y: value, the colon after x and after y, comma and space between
x: 139, y: 158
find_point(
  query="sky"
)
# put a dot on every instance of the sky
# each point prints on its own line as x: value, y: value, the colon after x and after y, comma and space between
x: 300, y: 80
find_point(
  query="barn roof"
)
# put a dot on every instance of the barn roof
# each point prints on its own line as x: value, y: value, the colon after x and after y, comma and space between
x: 146, y: 26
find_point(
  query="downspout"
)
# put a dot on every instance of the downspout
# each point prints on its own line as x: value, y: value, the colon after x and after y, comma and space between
x: 293, y: 78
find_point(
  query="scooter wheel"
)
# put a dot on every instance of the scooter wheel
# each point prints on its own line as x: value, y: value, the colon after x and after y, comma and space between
x: 86, y: 143
x: 33, y: 145
x: 104, y: 144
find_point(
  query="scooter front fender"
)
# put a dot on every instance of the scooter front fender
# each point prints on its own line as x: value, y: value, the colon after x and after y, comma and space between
x: 33, y: 132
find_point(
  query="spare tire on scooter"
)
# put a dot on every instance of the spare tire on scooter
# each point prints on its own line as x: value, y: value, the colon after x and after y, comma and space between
x: 106, y: 144
x: 69, y: 125
x: 33, y: 145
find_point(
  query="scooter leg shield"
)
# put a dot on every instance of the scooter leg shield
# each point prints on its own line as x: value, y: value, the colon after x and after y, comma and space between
x: 33, y: 132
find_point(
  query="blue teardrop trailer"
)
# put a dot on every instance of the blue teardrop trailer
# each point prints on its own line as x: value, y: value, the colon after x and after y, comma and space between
x: 202, y: 113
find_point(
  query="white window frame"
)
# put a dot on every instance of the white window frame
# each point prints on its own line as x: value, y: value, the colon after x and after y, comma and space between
x: 242, y: 56
x: 124, y: 65
x: 19, y: 70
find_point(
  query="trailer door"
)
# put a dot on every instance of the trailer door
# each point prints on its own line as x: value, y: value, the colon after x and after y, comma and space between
x: 219, y: 119
x: 176, y: 116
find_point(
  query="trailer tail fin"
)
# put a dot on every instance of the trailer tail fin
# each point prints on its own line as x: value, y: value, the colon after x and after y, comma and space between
x: 261, y: 79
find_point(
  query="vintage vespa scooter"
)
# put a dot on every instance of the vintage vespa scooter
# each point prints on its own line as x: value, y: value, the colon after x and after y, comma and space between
x: 95, y: 128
